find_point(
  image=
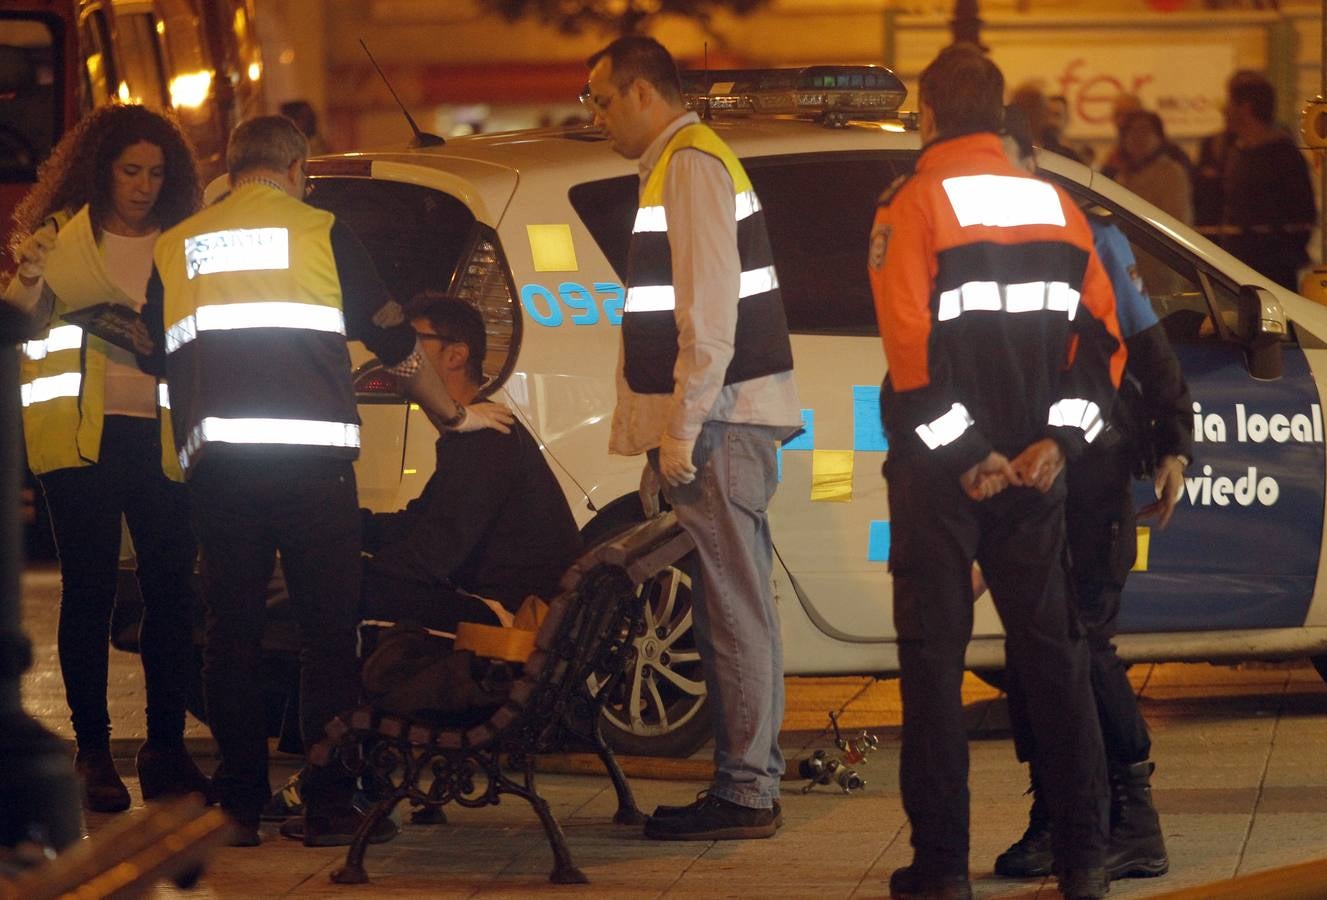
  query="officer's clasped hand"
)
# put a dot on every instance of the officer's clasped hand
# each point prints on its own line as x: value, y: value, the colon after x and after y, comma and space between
x: 1039, y: 464
x: 675, y: 460
x: 988, y: 477
x: 1168, y: 484
x: 31, y: 254
x: 479, y: 416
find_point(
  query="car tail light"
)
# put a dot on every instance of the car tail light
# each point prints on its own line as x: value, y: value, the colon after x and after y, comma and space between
x: 373, y: 382
x: 483, y: 279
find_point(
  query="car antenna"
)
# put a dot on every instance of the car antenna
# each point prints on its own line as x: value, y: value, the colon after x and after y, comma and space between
x: 422, y: 138
x: 529, y: 426
x: 705, y: 112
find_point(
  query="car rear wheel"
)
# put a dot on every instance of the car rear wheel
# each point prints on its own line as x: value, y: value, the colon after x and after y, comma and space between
x: 660, y: 706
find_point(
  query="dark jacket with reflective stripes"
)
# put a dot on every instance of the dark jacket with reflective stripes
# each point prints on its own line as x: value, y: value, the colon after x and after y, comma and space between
x: 997, y: 318
x: 649, y: 329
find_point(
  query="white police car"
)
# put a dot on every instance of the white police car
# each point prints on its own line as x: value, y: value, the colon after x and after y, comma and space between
x: 534, y: 227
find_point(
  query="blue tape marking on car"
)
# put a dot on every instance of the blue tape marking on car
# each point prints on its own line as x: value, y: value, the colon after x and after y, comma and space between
x: 867, y: 431
x: 877, y: 545
x: 532, y: 295
x: 807, y: 439
x: 578, y: 299
x: 545, y: 307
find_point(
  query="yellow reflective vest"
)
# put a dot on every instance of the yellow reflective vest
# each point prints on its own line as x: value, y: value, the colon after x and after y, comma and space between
x: 254, y: 331
x: 62, y: 378
x: 649, y: 327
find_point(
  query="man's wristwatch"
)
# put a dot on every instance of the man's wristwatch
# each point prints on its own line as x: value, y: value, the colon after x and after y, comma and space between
x: 1184, y: 461
x: 453, y: 421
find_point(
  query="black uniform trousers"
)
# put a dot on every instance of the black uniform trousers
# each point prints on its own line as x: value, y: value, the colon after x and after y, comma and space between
x: 1100, y: 524
x: 246, y: 510
x: 1018, y: 538
x: 86, y: 503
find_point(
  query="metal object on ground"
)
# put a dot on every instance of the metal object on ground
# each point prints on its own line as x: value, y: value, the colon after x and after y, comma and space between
x: 821, y: 768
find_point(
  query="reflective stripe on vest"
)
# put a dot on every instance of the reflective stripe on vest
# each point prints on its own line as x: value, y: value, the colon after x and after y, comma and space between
x: 237, y: 250
x: 291, y: 432
x: 163, y: 395
x: 1003, y: 201
x: 660, y: 297
x: 948, y: 428
x: 62, y: 337
x: 654, y: 218
x: 264, y: 314
x: 52, y: 387
x: 1075, y: 413
x: 1031, y: 296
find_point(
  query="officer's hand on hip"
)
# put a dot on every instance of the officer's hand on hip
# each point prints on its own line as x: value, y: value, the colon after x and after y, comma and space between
x: 649, y: 491
x: 675, y: 460
x: 479, y: 416
x: 1168, y: 484
x: 988, y: 477
x: 1039, y: 464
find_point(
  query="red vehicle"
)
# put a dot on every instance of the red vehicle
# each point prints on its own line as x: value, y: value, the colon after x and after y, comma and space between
x: 198, y: 59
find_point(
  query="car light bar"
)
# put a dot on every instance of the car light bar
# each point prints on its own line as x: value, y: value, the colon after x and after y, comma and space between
x: 832, y: 94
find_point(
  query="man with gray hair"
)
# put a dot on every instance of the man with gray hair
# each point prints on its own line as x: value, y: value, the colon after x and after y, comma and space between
x: 250, y: 306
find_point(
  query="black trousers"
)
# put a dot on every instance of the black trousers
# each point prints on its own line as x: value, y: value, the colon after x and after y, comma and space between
x: 1018, y: 538
x: 1100, y: 525
x: 85, y: 504
x: 246, y: 511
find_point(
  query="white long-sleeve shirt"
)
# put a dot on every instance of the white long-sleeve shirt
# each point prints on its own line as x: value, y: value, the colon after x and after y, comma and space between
x: 699, y: 204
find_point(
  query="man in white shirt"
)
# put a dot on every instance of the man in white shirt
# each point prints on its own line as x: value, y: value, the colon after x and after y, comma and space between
x: 705, y: 388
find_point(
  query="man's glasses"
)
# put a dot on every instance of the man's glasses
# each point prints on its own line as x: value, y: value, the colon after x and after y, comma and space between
x: 595, y: 103
x: 440, y: 338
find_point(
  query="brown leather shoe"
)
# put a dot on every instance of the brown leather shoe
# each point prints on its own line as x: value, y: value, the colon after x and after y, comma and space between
x: 103, y: 791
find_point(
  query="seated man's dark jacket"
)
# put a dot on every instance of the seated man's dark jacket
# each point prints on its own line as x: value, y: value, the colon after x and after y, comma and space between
x: 492, y: 521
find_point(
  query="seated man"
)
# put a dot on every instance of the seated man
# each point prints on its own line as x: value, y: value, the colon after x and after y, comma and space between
x: 492, y: 525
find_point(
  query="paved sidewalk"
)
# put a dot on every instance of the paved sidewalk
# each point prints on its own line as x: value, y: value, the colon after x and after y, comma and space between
x: 1241, y: 785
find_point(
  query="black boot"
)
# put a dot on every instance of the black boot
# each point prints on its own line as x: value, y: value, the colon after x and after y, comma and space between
x: 103, y: 791
x: 1030, y: 856
x: 1137, y: 848
x: 167, y: 770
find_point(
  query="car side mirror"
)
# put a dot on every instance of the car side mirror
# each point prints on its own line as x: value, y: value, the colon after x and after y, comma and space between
x: 1262, y: 326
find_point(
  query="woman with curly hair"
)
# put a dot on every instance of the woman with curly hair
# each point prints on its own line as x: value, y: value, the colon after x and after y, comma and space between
x: 98, y: 438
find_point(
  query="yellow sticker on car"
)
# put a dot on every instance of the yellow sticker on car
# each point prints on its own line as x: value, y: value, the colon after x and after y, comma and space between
x: 831, y: 475
x: 552, y: 248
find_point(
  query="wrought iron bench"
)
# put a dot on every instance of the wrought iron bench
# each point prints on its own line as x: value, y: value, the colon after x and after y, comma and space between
x: 582, y: 648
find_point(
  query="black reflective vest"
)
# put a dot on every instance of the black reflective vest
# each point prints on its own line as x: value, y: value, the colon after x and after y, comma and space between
x: 649, y: 329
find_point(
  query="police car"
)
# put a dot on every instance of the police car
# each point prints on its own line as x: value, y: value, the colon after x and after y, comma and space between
x: 533, y: 227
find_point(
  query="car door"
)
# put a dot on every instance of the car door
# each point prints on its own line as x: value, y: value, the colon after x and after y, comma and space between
x: 1242, y: 550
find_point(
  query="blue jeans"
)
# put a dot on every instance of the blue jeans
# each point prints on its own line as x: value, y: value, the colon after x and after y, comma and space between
x: 735, y: 619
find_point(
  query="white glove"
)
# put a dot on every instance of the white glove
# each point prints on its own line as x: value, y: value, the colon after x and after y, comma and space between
x: 31, y: 254
x: 649, y: 491
x: 675, y: 460
x: 486, y: 415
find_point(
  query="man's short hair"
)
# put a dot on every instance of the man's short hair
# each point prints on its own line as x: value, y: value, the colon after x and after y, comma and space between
x: 637, y: 56
x: 455, y: 320
x: 265, y: 142
x: 964, y: 90
x: 1257, y: 92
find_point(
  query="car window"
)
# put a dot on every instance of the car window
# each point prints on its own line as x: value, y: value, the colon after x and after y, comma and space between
x: 1184, y: 294
x: 818, y: 209
x: 415, y: 234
